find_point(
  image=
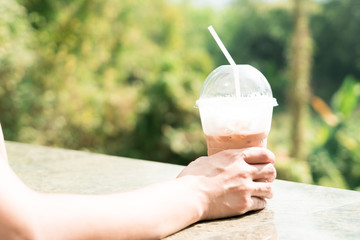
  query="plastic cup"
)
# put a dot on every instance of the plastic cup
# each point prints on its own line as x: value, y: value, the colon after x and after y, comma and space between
x: 234, y: 119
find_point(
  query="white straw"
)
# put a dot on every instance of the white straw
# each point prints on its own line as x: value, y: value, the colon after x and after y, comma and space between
x: 221, y: 45
x: 228, y: 57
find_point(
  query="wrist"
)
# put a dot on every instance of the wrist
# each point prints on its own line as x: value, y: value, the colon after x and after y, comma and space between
x: 198, y: 190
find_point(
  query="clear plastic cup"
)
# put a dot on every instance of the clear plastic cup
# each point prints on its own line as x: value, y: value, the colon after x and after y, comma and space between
x: 235, y: 115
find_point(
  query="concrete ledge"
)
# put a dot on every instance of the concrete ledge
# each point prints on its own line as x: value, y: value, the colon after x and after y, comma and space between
x: 48, y: 169
x: 297, y: 211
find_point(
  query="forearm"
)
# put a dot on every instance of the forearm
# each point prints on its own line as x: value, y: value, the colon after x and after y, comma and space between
x: 149, y: 213
x: 152, y: 212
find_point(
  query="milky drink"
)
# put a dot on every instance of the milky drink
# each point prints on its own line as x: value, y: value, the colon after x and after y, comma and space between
x: 216, y: 144
x: 231, y: 120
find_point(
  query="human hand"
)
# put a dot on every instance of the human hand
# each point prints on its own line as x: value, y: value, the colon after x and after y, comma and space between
x: 234, y: 181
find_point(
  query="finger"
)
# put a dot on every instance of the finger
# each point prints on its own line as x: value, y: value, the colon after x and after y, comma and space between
x: 257, y: 155
x: 263, y: 172
x: 262, y: 190
x: 257, y: 203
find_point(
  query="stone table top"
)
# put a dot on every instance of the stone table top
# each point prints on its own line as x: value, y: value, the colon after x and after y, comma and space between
x: 297, y: 211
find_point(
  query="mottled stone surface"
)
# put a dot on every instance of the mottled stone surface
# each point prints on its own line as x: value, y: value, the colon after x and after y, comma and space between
x: 57, y: 170
x: 297, y: 211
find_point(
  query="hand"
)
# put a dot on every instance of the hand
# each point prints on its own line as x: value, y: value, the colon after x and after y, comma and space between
x: 234, y: 181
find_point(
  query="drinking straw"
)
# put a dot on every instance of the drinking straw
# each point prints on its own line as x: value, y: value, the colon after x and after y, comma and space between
x: 228, y: 57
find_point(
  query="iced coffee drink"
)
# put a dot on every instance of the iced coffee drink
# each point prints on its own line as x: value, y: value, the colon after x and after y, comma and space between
x: 234, y: 120
x: 216, y: 144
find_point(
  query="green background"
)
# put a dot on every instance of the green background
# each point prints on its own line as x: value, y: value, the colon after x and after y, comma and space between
x: 122, y: 77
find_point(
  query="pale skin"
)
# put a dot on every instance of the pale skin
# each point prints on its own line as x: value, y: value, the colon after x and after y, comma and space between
x: 229, y: 183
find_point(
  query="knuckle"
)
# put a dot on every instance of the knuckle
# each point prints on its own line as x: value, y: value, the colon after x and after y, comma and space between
x: 238, y: 189
x: 248, y: 203
x: 244, y: 154
x: 262, y: 203
x: 245, y: 204
x: 268, y: 188
x: 268, y: 155
x: 271, y: 156
x: 259, y: 203
x: 235, y: 153
x: 229, y: 152
x: 229, y: 156
x: 244, y: 189
x: 270, y: 169
x: 243, y: 174
x: 271, y: 194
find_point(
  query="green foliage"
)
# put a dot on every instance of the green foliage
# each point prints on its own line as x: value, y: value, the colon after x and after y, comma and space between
x: 15, y: 56
x: 346, y: 98
x: 259, y: 35
x: 335, y: 158
x: 122, y: 77
x: 336, y: 31
x: 106, y: 81
x: 294, y: 170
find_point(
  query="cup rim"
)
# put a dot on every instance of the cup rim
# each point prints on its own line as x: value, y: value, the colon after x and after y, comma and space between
x: 242, y: 100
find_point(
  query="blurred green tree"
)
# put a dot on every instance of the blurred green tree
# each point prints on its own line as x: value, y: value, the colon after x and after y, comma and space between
x: 122, y: 77
x: 335, y: 160
x: 258, y: 34
x: 15, y: 56
x: 336, y: 31
x: 300, y: 70
x: 115, y: 77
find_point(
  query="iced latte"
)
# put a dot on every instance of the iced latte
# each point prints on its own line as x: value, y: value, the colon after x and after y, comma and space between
x: 216, y: 144
x: 231, y: 120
